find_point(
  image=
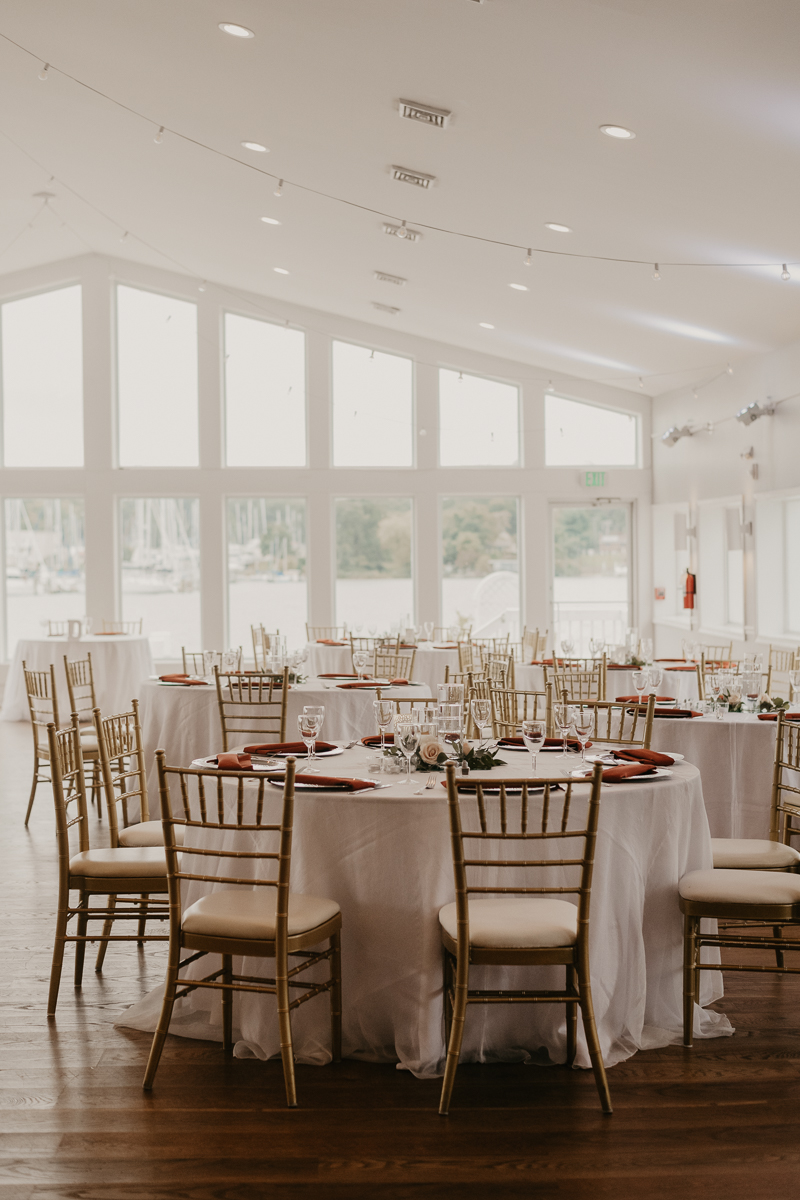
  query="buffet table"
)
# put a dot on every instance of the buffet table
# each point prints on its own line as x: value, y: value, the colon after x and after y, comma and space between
x: 384, y: 856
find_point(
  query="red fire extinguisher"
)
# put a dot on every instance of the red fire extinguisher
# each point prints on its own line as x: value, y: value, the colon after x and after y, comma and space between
x: 689, y: 590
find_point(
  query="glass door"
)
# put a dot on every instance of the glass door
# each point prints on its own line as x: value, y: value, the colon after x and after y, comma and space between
x: 591, y: 581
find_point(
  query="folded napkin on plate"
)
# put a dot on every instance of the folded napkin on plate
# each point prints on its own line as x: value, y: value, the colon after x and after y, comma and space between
x: 683, y: 668
x: 365, y: 683
x: 650, y: 757
x: 620, y: 667
x: 445, y: 646
x: 233, y: 762
x: 572, y: 743
x: 676, y: 712
x: 333, y: 783
x: 287, y: 748
x: 183, y: 679
x: 718, y: 662
x: 659, y: 699
x: 374, y: 739
x: 672, y: 660
x: 773, y: 716
x: 620, y: 774
x: 399, y: 682
x: 329, y: 642
x: 408, y: 646
x: 338, y: 675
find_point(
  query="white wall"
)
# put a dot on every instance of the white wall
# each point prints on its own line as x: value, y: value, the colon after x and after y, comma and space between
x: 100, y: 482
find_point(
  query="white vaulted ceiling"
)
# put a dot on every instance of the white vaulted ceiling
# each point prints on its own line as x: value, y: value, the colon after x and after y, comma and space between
x: 710, y: 87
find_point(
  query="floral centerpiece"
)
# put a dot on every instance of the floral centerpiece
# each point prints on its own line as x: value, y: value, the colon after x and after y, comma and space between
x: 771, y: 703
x: 432, y: 754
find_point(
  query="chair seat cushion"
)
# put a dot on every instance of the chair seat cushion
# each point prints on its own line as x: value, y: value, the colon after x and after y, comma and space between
x: 516, y: 922
x: 752, y: 854
x: 236, y: 913
x: 740, y: 887
x: 139, y: 862
x: 147, y: 833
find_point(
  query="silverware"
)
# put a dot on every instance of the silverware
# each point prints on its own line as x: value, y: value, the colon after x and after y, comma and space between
x: 429, y: 783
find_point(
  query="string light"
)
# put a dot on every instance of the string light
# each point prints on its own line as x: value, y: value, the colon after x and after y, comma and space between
x: 279, y: 189
x: 656, y: 272
x: 43, y: 73
x: 785, y: 273
x: 158, y: 139
x: 528, y: 258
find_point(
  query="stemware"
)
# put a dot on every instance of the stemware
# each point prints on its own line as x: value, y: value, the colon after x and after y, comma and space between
x: 482, y: 715
x: 315, y: 710
x: 450, y: 693
x: 567, y: 647
x: 563, y: 718
x: 596, y: 647
x: 360, y: 660
x: 583, y: 721
x: 384, y: 711
x: 646, y: 650
x: 751, y: 688
x: 533, y: 737
x: 654, y: 677
x: 407, y: 738
x: 308, y: 726
x: 640, y: 682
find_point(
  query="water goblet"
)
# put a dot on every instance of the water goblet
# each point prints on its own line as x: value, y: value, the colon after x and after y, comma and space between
x: 316, y: 710
x: 384, y: 711
x: 563, y: 719
x: 533, y: 736
x: 407, y: 738
x: 583, y: 721
x: 428, y: 627
x: 654, y: 677
x: 308, y: 725
x: 360, y: 660
x: 567, y: 647
x: 481, y: 714
x: 640, y: 681
x: 646, y: 650
x: 596, y: 647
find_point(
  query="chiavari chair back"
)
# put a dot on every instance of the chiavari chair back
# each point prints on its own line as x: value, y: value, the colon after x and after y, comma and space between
x: 499, y: 669
x: 252, y: 707
x: 444, y: 633
x: 510, y: 707
x: 532, y: 646
x: 464, y: 677
x: 511, y: 844
x: 578, y: 684
x: 390, y: 664
x: 779, y: 664
x: 720, y: 655
x: 476, y: 689
x: 40, y: 689
x: 114, y: 874
x: 194, y: 661
x: 618, y: 723
x: 317, y: 633
x: 254, y: 914
x: 407, y: 706
x: 59, y: 629
x: 388, y: 645
x: 129, y: 627
x: 470, y: 658
x: 124, y: 774
x: 80, y: 686
x: 262, y: 645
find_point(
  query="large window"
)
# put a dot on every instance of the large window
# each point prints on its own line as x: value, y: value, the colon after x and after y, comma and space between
x: 265, y: 394
x: 266, y: 568
x: 374, y: 586
x: 156, y: 379
x: 480, y: 564
x: 478, y: 421
x: 45, y: 579
x: 591, y: 589
x: 42, y: 357
x: 585, y: 435
x: 160, y: 544
x: 372, y: 408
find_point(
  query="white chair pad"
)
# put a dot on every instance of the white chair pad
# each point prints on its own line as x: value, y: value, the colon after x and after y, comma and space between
x: 88, y: 738
x: 148, y: 833
x: 237, y: 913
x: 143, y: 861
x: 744, y: 853
x: 517, y: 922
x: 740, y: 887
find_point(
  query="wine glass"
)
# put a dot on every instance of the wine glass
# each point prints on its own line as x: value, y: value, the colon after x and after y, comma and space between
x: 360, y: 660
x: 407, y: 738
x: 308, y: 726
x: 563, y: 719
x: 567, y: 647
x: 533, y: 737
x: 596, y: 647
x: 428, y: 627
x: 646, y: 647
x: 481, y: 714
x: 316, y: 710
x: 384, y: 711
x: 583, y: 722
x: 640, y: 682
x: 372, y: 629
x: 654, y: 677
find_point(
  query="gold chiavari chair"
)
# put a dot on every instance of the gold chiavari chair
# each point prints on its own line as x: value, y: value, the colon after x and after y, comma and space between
x: 577, y: 684
x: 709, y: 666
x: 463, y: 677
x: 511, y: 707
x: 113, y: 874
x: 442, y: 633
x: 408, y: 705
x: 619, y: 724
x: 393, y: 665
x: 251, y: 707
x: 779, y: 664
x: 255, y: 915
x: 492, y: 645
x: 316, y: 633
x: 534, y: 926
x: 499, y: 669
x: 533, y: 645
x: 129, y: 627
x: 470, y: 658
x: 194, y: 662
x: 262, y: 645
x: 40, y: 688
x: 477, y: 689
x: 388, y: 645
x: 59, y: 629
x: 718, y: 654
x: 124, y: 774
x: 749, y: 898
x: 80, y: 687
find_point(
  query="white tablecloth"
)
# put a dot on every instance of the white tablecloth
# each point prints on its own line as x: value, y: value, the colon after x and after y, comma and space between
x: 119, y: 663
x: 680, y: 684
x: 184, y: 721
x: 429, y: 663
x: 385, y: 857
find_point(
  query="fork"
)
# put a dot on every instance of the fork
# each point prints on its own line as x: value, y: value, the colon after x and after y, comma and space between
x: 429, y: 783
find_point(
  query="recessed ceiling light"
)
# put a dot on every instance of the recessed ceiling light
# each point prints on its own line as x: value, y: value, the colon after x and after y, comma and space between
x: 518, y: 287
x: 240, y: 31
x: 280, y: 270
x: 485, y: 325
x: 270, y: 221
x: 617, y: 131
x: 255, y: 146
x: 556, y: 228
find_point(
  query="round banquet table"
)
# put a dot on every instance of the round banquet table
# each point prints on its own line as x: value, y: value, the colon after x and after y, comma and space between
x: 120, y: 662
x: 384, y: 856
x: 429, y: 662
x: 675, y: 682
x: 184, y: 721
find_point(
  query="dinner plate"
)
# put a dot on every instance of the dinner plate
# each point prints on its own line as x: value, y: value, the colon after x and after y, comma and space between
x: 525, y: 750
x: 299, y: 754
x: 206, y: 764
x: 606, y: 755
x: 314, y: 787
x: 172, y: 683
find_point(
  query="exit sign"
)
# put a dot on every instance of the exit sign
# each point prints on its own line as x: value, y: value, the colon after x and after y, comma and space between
x: 594, y: 479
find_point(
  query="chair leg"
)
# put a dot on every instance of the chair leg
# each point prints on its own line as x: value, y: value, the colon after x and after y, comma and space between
x: 336, y: 996
x: 285, y: 1023
x: 447, y: 977
x: 104, y: 936
x: 140, y: 928
x: 96, y: 797
x: 227, y: 1004
x: 777, y: 931
x: 456, y: 1033
x: 34, y: 785
x: 572, y: 1019
x: 690, y: 974
x: 58, y: 955
x: 590, y: 1029
x: 80, y: 947
x: 162, y: 1029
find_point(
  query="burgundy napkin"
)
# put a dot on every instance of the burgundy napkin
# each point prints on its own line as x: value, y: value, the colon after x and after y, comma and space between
x: 572, y: 743
x: 338, y: 675
x: 659, y: 699
x: 360, y: 684
x: 333, y: 782
x: 773, y: 716
x: 270, y: 748
x: 650, y: 758
x: 676, y: 712
x: 672, y: 660
x: 233, y: 762
x: 399, y: 682
x: 620, y: 774
x: 407, y: 646
x: 687, y: 668
x: 374, y: 739
x: 184, y: 679
x: 329, y: 642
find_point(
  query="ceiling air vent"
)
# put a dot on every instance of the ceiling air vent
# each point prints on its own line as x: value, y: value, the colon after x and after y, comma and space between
x: 382, y: 277
x: 417, y: 178
x: 411, y: 111
x: 387, y: 308
x: 410, y: 235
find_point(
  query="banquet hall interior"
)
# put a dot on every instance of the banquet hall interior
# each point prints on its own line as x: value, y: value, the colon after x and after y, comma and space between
x: 414, y: 385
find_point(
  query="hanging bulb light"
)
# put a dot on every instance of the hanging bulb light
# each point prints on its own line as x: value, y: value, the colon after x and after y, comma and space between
x: 158, y: 139
x: 402, y: 231
x: 43, y: 73
x: 279, y: 189
x: 729, y: 369
x: 549, y: 385
x: 201, y: 287
x: 641, y: 382
x: 656, y: 272
x: 528, y: 260
x: 124, y: 236
x: 785, y: 272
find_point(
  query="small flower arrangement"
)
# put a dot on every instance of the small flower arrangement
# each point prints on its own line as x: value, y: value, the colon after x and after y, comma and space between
x: 431, y: 755
x: 771, y: 703
x: 733, y: 698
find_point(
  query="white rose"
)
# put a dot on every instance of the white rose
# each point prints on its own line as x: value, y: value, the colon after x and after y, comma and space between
x: 734, y: 697
x: 429, y: 749
x: 764, y: 699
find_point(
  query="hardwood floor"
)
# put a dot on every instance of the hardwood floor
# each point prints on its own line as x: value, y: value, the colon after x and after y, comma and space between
x: 719, y: 1121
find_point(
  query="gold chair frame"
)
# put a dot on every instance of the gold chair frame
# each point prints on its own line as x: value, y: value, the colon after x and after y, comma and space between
x: 459, y: 954
x: 80, y: 688
x: 123, y: 768
x: 578, y: 684
x: 264, y: 695
x: 781, y: 662
x: 193, y: 660
x: 40, y: 689
x: 209, y: 814
x: 129, y: 627
x: 612, y: 716
x: 393, y: 664
x: 262, y: 643
x: 510, y: 707
x: 315, y: 632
